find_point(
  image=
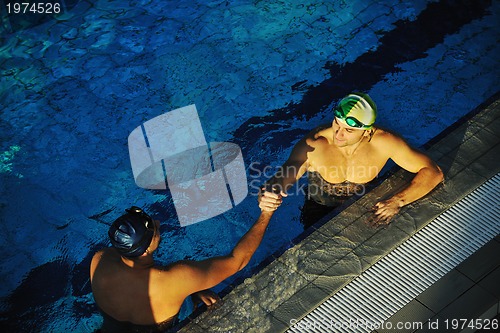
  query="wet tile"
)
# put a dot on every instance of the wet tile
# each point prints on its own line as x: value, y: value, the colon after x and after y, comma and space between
x: 451, y: 141
x: 269, y: 324
x: 192, y: 328
x: 459, y: 185
x: 336, y: 225
x: 445, y: 291
x: 420, y: 213
x: 293, y: 256
x: 474, y: 147
x: 463, y: 132
x: 404, y: 221
x: 243, y: 319
x: 434, y: 154
x: 359, y: 231
x: 323, y: 257
x: 215, y: 314
x: 475, y: 128
x: 381, y: 244
x: 277, y: 283
x: 300, y: 304
x: 246, y: 296
x: 339, y: 274
x: 482, y: 262
x: 411, y: 317
x: 494, y: 126
x: 388, y: 188
x: 487, y: 164
x: 488, y: 115
x: 348, y: 266
x: 366, y: 263
x: 237, y: 311
x: 344, y: 219
x: 450, y: 166
x: 332, y: 284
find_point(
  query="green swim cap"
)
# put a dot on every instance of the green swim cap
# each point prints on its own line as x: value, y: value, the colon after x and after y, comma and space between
x: 356, y: 110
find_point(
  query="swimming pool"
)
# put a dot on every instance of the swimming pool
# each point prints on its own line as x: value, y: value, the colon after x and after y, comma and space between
x: 261, y: 75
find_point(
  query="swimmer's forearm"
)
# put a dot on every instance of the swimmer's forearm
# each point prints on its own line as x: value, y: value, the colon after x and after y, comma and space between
x: 424, y: 181
x: 248, y: 244
x: 209, y: 272
x: 284, y: 182
x: 277, y: 185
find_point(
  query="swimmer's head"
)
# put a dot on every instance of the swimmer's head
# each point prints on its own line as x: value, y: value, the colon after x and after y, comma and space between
x: 132, y: 233
x: 356, y: 110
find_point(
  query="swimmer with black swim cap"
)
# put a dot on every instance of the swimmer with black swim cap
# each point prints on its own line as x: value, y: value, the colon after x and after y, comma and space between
x: 134, y: 294
x: 132, y: 233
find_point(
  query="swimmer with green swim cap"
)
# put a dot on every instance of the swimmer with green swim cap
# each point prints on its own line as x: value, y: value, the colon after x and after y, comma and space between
x: 356, y: 110
x: 342, y: 158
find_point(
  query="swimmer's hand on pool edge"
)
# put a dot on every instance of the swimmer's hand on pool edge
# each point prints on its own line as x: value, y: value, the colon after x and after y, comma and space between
x: 270, y: 201
x: 383, y: 212
x: 207, y: 296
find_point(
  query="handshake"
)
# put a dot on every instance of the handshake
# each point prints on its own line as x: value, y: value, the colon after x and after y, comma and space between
x: 271, y: 197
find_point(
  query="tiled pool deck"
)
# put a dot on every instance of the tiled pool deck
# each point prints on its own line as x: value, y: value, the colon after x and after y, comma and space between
x: 341, y: 249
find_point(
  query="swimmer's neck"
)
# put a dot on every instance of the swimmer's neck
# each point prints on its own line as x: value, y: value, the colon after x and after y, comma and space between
x: 351, y: 149
x: 143, y: 262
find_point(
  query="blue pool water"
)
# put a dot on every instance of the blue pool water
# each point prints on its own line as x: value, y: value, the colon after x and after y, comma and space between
x: 262, y: 74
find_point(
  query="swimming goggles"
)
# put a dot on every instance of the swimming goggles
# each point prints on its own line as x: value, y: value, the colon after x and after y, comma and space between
x: 351, y: 121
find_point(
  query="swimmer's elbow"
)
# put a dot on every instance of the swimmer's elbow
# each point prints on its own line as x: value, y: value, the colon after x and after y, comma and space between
x: 438, y: 175
x: 433, y: 174
x: 240, y: 261
x: 244, y: 263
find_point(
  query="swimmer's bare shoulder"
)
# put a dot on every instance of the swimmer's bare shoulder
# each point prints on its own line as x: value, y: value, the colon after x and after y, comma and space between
x: 107, y: 256
x: 296, y: 164
x: 319, y: 136
x: 385, y: 139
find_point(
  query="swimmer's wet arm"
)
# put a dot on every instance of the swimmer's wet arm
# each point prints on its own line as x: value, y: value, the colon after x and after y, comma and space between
x: 294, y: 167
x: 248, y: 244
x: 272, y: 192
x: 425, y: 180
x: 427, y: 173
x: 200, y: 275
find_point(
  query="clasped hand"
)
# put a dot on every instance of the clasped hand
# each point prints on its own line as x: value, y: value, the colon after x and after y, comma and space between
x: 207, y: 296
x: 269, y: 201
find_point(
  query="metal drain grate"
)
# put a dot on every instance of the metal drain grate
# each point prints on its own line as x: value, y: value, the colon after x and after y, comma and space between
x: 415, y: 265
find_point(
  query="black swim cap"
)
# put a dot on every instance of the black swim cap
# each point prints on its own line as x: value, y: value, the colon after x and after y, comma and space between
x: 132, y: 233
